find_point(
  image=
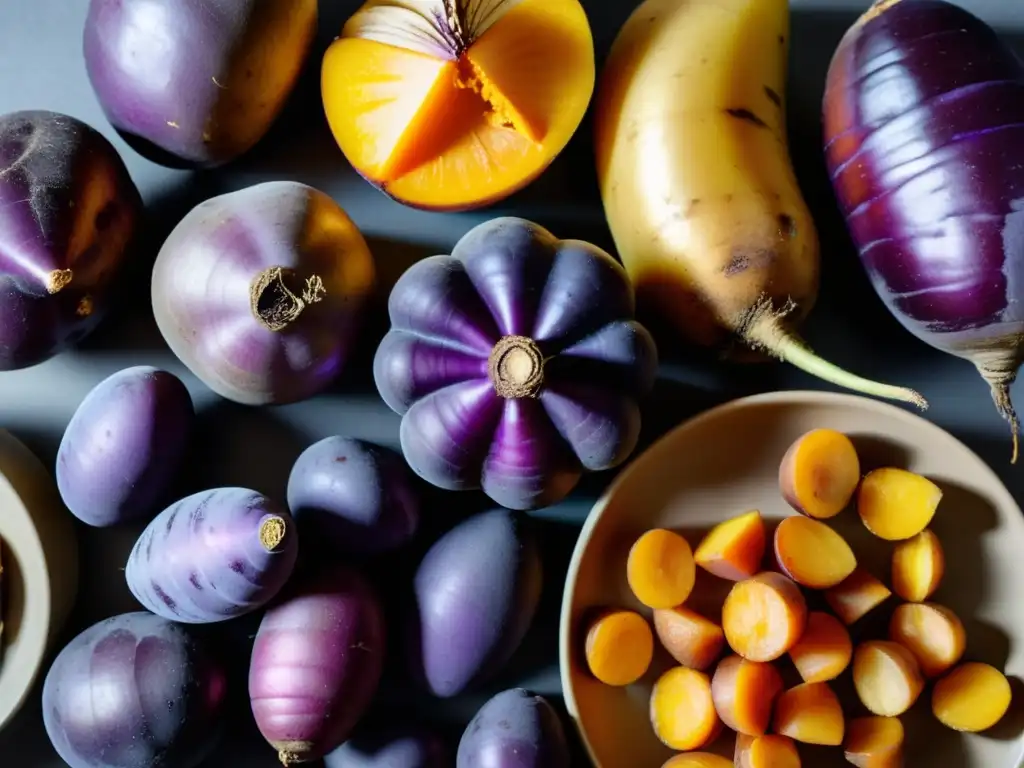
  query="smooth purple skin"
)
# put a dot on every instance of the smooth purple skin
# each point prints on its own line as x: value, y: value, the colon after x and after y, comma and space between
x: 396, y: 747
x: 134, y: 691
x: 354, y: 497
x: 66, y: 203
x: 203, y: 277
x: 124, y: 446
x: 476, y: 593
x: 196, y: 82
x: 316, y: 664
x: 202, y: 560
x: 508, y: 277
x: 515, y: 729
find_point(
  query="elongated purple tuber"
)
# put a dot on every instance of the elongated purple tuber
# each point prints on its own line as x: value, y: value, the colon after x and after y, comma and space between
x: 394, y: 747
x: 514, y: 729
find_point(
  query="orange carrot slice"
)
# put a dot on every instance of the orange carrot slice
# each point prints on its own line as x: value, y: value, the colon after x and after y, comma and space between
x: 619, y: 647
x: 697, y: 760
x: 743, y: 693
x: 824, y: 650
x: 856, y: 596
x: 771, y: 751
x: 972, y: 698
x: 887, y: 677
x: 691, y: 639
x: 682, y: 710
x: 811, y: 553
x: 933, y: 633
x: 660, y: 569
x: 734, y: 549
x: 895, y: 504
x: 819, y: 473
x: 764, y: 616
x: 810, y: 713
x: 918, y: 565
x: 874, y: 742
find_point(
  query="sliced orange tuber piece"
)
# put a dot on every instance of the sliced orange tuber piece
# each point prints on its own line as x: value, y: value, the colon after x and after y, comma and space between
x: 972, y: 698
x: 819, y: 473
x: 874, y: 742
x: 856, y: 596
x: 770, y: 751
x: 451, y: 106
x: 691, y: 639
x: 698, y: 760
x: 933, y: 633
x: 734, y: 549
x: 887, y: 677
x: 895, y: 504
x: 918, y: 565
x: 682, y: 710
x: 660, y: 569
x: 619, y: 647
x: 824, y: 650
x: 743, y: 692
x: 811, y: 553
x: 764, y: 616
x: 809, y: 713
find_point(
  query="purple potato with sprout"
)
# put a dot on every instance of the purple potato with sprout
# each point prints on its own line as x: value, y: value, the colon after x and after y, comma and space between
x: 124, y: 446
x: 476, y: 593
x: 213, y: 556
x: 514, y: 729
x: 394, y: 747
x: 134, y: 691
x: 515, y: 363
x: 69, y: 212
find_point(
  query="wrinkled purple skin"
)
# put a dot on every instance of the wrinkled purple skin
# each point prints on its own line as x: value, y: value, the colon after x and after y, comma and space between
x: 134, y: 691
x: 510, y: 277
x: 396, y: 747
x: 66, y: 203
x: 515, y: 729
x: 924, y: 131
x: 195, y: 82
x: 208, y: 266
x: 354, y: 497
x: 202, y: 560
x: 476, y: 592
x: 316, y: 664
x: 124, y: 446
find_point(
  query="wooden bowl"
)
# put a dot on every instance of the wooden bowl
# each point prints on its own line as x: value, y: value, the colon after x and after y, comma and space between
x: 726, y: 462
x: 40, y: 570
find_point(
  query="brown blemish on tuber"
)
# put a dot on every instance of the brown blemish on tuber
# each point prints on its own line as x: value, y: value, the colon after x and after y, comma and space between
x: 276, y: 304
x: 58, y: 279
x: 516, y: 367
x: 272, y: 532
x: 742, y: 113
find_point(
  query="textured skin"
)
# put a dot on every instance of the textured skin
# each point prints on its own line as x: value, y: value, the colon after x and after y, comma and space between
x: 201, y: 560
x: 509, y: 277
x: 351, y: 496
x: 199, y: 81
x: 66, y: 203
x: 124, y: 446
x: 477, y: 590
x: 316, y: 663
x: 515, y: 729
x: 134, y: 691
x: 396, y: 747
x: 924, y: 124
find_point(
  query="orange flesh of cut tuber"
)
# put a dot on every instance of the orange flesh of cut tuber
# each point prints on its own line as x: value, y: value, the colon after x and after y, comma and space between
x: 660, y: 569
x: 819, y: 473
x: 810, y: 713
x: 451, y: 112
x: 764, y: 616
x: 972, y: 698
x: 856, y: 596
x: 824, y: 650
x: 743, y: 693
x: 691, y: 639
x: 874, y: 742
x: 887, y: 677
x: 619, y: 647
x: 811, y: 553
x: 733, y: 550
x: 770, y: 751
x: 918, y: 565
x: 895, y: 504
x: 698, y: 760
x: 933, y: 633
x: 682, y: 711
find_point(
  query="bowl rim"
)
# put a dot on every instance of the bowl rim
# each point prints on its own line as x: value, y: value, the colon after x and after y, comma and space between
x: 787, y: 397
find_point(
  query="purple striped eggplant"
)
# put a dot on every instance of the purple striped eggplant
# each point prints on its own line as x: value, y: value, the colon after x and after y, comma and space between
x: 213, y: 556
x: 924, y: 141
x: 516, y: 364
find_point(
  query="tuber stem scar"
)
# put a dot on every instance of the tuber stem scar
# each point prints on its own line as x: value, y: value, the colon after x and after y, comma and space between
x: 272, y: 532
x: 999, y: 382
x: 276, y: 304
x: 516, y: 367
x: 58, y: 279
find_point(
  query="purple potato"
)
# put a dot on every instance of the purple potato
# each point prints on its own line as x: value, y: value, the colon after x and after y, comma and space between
x: 196, y: 82
x: 924, y: 132
x: 316, y: 664
x: 124, y: 446
x: 212, y: 556
x: 515, y: 363
x: 259, y: 292
x: 515, y: 729
x: 476, y: 591
x: 352, y: 496
x: 395, y: 747
x: 69, y: 212
x: 134, y: 691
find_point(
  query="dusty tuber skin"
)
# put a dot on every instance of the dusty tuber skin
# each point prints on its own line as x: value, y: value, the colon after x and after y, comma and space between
x: 819, y: 473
